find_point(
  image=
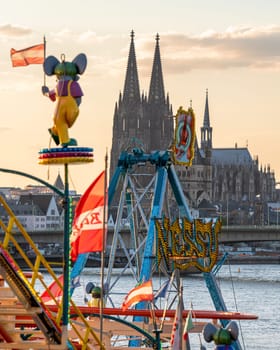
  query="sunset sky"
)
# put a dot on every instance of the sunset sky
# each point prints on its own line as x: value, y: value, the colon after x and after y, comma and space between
x: 231, y: 48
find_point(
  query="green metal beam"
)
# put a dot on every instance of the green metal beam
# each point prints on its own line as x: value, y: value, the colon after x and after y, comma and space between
x: 20, y: 173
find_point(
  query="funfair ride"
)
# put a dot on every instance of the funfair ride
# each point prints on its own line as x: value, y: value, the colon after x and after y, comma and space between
x: 164, y: 240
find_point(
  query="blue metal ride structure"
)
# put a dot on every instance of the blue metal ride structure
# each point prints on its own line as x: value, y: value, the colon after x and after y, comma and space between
x: 139, y: 220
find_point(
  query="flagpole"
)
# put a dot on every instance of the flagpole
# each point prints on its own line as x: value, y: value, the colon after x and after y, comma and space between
x: 166, y: 301
x: 193, y: 315
x: 187, y: 343
x: 181, y: 311
x: 45, y: 42
x: 103, y: 247
x: 156, y: 330
x: 66, y: 267
x: 177, y: 331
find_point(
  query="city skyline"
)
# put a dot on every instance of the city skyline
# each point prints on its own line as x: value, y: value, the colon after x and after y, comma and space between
x: 222, y: 47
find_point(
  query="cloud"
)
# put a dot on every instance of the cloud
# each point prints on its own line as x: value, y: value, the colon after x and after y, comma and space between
x: 9, y: 30
x: 235, y: 47
x: 252, y: 47
x: 87, y: 37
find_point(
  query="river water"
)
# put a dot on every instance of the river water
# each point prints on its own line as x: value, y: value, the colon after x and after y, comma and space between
x: 245, y: 288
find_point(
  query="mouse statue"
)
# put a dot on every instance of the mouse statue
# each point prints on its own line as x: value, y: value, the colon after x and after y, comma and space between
x: 67, y: 94
x: 95, y: 292
x: 223, y: 337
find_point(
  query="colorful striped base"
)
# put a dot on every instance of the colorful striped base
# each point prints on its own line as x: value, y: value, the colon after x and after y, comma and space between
x: 66, y: 155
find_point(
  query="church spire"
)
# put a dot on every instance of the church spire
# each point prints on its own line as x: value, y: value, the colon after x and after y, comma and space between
x: 206, y: 130
x: 156, y: 92
x: 206, y: 120
x: 131, y: 91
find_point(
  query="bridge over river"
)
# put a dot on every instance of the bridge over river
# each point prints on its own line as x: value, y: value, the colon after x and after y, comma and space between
x: 236, y: 234
x: 229, y: 235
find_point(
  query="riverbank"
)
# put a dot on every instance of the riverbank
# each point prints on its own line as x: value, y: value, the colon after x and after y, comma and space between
x: 254, y: 259
x: 56, y: 261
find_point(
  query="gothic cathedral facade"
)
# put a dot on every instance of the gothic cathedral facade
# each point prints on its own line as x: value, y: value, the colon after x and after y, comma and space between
x: 217, y: 175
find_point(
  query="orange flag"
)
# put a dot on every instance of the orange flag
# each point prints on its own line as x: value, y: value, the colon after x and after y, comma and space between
x: 143, y: 292
x: 30, y: 55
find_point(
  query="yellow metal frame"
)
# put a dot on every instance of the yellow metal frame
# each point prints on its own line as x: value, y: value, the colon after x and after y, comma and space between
x: 7, y: 240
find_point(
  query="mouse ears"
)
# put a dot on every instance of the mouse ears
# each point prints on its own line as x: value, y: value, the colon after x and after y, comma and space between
x: 89, y: 287
x: 210, y: 331
x: 49, y: 65
x: 81, y: 62
x: 51, y: 62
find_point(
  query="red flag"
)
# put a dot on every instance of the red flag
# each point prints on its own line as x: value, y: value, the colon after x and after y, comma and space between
x: 53, y: 292
x: 87, y: 228
x: 144, y: 292
x: 30, y: 55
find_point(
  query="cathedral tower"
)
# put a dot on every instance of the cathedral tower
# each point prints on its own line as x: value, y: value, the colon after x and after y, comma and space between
x: 159, y: 112
x: 128, y: 114
x: 140, y: 121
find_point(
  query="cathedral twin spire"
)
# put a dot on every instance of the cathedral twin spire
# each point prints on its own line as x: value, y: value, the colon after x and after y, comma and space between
x: 131, y: 87
x: 137, y: 117
x: 157, y: 106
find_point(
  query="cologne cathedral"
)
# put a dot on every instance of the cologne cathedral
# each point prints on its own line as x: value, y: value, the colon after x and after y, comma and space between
x: 219, y: 178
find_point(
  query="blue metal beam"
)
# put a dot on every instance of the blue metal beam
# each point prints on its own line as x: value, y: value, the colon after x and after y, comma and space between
x: 178, y: 193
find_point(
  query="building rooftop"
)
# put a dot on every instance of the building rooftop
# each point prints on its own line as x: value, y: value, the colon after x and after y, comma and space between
x: 230, y: 156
